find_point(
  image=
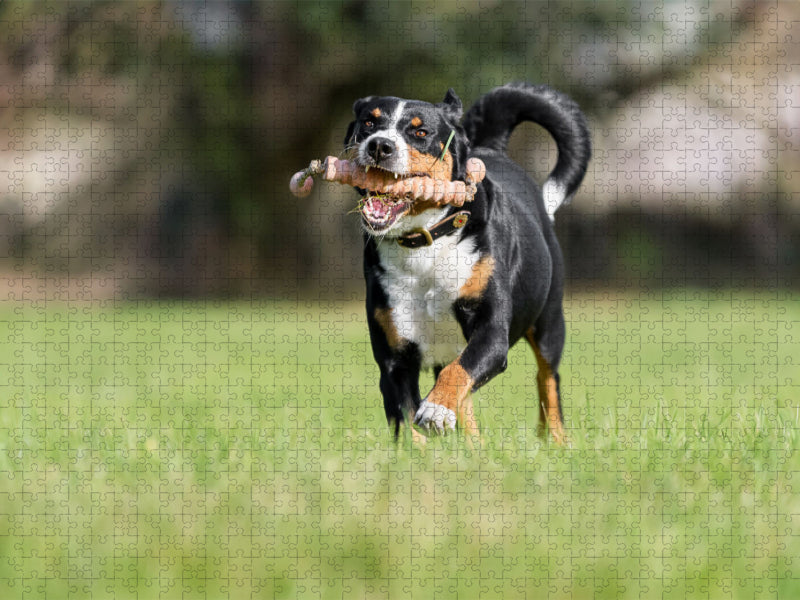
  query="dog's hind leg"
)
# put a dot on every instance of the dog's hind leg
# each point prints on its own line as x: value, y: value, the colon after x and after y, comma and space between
x: 547, y: 345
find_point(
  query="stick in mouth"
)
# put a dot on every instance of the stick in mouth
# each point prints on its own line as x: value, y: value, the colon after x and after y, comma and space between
x: 384, y: 183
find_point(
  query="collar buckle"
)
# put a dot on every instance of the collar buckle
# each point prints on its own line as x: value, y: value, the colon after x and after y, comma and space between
x: 422, y: 237
x: 424, y: 232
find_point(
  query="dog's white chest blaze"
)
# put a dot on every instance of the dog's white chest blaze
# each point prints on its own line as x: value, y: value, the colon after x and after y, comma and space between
x: 422, y: 284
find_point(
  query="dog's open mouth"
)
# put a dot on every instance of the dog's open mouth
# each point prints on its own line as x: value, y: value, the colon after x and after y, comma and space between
x: 380, y: 208
x: 381, y: 211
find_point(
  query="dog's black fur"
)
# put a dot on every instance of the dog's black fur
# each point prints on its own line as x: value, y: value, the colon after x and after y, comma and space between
x: 505, y: 267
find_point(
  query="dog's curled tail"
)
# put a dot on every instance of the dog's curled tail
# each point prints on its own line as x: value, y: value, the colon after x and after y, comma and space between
x: 492, y: 119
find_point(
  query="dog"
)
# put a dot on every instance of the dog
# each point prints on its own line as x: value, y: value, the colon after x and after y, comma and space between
x: 451, y: 288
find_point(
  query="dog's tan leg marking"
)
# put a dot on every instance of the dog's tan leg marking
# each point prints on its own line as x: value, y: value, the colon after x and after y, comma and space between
x: 549, y: 413
x: 478, y: 280
x: 384, y: 318
x: 452, y: 386
x: 441, y: 407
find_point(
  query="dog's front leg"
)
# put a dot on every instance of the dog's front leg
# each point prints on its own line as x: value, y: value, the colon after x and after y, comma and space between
x: 399, y: 386
x: 438, y: 410
x: 483, y: 358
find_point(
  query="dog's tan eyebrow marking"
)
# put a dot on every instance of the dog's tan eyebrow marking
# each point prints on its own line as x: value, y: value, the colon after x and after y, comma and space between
x: 416, y: 122
x: 376, y: 112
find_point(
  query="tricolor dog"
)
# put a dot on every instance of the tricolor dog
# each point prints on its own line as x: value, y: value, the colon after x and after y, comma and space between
x: 452, y: 288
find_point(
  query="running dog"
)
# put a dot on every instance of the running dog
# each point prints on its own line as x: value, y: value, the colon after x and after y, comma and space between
x: 452, y: 288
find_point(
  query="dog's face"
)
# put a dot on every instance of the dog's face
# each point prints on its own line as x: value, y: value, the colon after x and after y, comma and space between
x: 407, y: 138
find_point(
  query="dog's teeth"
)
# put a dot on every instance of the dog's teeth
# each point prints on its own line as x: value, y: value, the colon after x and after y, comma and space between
x: 396, y: 175
x: 366, y: 169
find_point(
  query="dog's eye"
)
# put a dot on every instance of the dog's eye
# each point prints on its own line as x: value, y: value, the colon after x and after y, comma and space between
x: 369, y: 124
x: 420, y: 133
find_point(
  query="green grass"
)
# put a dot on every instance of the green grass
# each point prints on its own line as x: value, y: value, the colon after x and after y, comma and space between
x: 213, y: 450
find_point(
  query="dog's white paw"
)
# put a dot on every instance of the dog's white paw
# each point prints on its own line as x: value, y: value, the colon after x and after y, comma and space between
x: 436, y: 417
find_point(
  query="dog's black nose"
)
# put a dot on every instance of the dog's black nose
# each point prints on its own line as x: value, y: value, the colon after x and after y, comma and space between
x: 379, y: 148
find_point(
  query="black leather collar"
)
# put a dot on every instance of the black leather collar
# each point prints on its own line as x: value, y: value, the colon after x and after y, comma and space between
x: 421, y: 237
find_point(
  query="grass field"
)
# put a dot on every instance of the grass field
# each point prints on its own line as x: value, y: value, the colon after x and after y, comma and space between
x: 229, y: 450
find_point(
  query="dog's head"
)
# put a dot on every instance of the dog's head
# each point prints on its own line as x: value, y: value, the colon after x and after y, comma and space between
x: 407, y: 138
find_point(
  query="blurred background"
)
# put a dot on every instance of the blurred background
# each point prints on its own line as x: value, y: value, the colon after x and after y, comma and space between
x: 146, y: 147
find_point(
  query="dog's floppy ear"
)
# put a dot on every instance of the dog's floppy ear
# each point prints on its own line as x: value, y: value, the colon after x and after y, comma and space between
x: 348, y: 136
x: 357, y: 106
x: 451, y: 105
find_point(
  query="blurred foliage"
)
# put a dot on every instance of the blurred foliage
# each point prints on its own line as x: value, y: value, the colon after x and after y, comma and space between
x: 179, y: 123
